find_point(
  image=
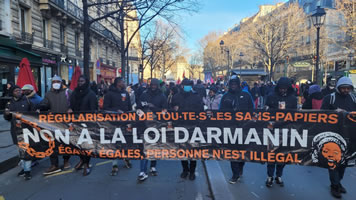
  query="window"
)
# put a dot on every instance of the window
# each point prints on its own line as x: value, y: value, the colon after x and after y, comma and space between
x: 62, y: 34
x: 23, y: 19
x: 44, y: 31
x: 308, y: 39
x: 77, y: 40
x: 106, y: 52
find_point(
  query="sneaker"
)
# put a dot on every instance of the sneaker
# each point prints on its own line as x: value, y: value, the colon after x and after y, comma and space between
x: 279, y: 181
x: 184, y: 174
x: 128, y: 164
x: 27, y: 176
x: 335, y: 191
x: 192, y: 176
x: 234, y: 179
x: 269, y: 182
x: 153, y: 171
x: 21, y: 173
x: 114, y: 170
x: 142, y: 176
x: 66, y: 165
x: 52, y: 170
x: 86, y: 171
x: 342, y: 189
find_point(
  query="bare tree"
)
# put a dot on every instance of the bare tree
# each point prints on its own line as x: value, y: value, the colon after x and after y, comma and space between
x: 137, y: 11
x: 348, y: 26
x: 272, y: 36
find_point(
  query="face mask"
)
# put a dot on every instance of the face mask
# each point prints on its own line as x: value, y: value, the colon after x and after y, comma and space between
x: 331, y: 87
x: 56, y: 86
x: 187, y: 88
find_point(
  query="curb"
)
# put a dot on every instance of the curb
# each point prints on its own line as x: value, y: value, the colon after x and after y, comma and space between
x: 9, y: 164
x: 216, y: 180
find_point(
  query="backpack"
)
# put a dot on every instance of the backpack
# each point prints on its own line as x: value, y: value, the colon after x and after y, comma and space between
x: 333, y: 98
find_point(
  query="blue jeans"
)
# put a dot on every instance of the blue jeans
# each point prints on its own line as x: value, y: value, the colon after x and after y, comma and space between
x: 26, y: 165
x: 144, y: 163
x: 336, y: 175
x: 271, y: 168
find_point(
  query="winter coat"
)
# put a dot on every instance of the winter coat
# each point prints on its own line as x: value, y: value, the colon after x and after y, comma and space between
x: 255, y: 93
x: 274, y: 99
x: 326, y: 91
x: 17, y: 105
x: 87, y: 101
x: 57, y: 101
x: 200, y: 89
x: 314, y: 101
x: 116, y: 100
x: 34, y: 98
x: 153, y: 100
x: 188, y: 101
x: 336, y: 100
x: 236, y: 101
x: 213, y: 102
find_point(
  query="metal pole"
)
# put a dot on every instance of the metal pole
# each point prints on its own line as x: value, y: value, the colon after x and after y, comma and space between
x: 317, y: 55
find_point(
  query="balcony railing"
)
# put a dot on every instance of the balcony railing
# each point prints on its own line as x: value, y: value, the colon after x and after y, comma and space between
x: 26, y: 37
x: 64, y: 49
x: 48, y: 44
x: 77, y: 13
x: 78, y: 53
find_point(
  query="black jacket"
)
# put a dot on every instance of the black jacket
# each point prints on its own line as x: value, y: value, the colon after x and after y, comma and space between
x: 290, y: 100
x: 255, y: 92
x: 342, y: 102
x: 116, y: 100
x: 155, y: 101
x: 308, y: 104
x: 326, y: 91
x: 236, y: 101
x: 200, y: 89
x: 21, y: 105
x: 188, y: 101
x: 86, y: 102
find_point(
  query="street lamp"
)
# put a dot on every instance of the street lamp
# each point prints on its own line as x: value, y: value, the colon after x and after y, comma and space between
x: 286, y: 66
x: 351, y: 57
x: 223, y: 48
x: 241, y: 55
x: 318, y: 19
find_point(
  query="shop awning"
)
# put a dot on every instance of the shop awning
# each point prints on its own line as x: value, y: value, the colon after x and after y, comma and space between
x: 10, y: 52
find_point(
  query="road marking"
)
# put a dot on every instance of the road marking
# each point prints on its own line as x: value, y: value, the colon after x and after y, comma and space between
x: 60, y: 173
x: 255, y: 195
x: 103, y: 163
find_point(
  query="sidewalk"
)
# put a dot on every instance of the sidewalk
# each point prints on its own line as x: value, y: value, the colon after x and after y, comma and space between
x: 8, y: 151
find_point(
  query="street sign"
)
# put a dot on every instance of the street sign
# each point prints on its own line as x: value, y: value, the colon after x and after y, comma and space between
x: 301, y: 64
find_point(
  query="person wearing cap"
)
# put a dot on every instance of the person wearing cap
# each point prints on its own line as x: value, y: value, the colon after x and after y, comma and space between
x: 117, y: 99
x: 153, y: 99
x: 330, y: 87
x: 19, y: 103
x: 188, y: 100
x: 212, y: 101
x: 341, y: 100
x: 315, y: 98
x: 57, y: 100
x: 31, y: 94
x: 234, y: 100
x: 282, y: 98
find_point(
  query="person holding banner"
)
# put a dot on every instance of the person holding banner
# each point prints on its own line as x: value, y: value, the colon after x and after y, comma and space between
x: 57, y: 100
x: 341, y: 100
x: 152, y: 99
x: 188, y: 100
x: 83, y: 99
x: 19, y: 103
x: 282, y: 98
x: 236, y: 99
x: 117, y: 100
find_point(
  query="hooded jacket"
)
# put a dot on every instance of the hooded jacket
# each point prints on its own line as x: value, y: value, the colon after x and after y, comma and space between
x: 117, y: 99
x: 22, y: 104
x: 57, y: 101
x: 315, y: 98
x: 273, y: 100
x: 233, y: 101
x: 84, y: 99
x: 153, y: 100
x: 34, y: 98
x: 335, y: 100
x: 188, y: 101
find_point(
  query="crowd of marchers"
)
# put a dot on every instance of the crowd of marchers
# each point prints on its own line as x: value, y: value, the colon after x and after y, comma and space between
x: 185, y: 96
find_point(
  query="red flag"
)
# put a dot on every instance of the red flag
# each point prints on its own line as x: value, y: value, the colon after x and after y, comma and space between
x: 75, y: 78
x: 25, y: 75
x: 183, y: 74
